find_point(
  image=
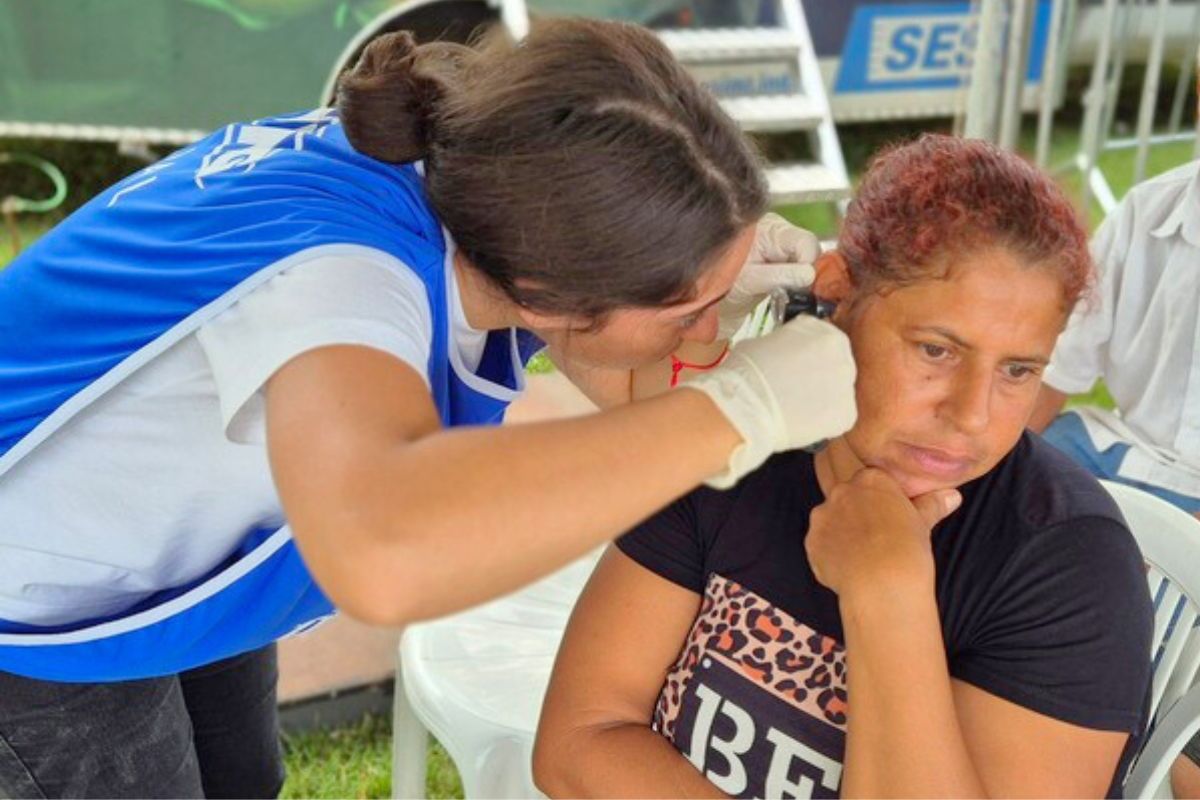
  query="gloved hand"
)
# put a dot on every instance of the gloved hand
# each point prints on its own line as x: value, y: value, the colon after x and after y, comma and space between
x: 790, y: 388
x: 781, y: 255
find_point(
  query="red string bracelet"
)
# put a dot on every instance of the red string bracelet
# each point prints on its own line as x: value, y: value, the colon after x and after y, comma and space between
x: 678, y: 366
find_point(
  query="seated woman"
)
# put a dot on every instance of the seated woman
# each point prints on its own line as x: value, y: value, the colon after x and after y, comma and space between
x: 804, y: 633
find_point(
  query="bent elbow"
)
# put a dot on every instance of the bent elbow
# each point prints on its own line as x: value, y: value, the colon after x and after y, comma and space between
x: 378, y: 613
x: 549, y: 767
x: 374, y: 591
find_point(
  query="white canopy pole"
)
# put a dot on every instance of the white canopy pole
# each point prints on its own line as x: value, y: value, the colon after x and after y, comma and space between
x: 986, y: 72
x: 1145, y: 123
x: 1017, y: 59
x: 1094, y: 102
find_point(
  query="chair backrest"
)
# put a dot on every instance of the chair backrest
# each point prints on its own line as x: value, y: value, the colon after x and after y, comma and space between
x: 1169, y: 539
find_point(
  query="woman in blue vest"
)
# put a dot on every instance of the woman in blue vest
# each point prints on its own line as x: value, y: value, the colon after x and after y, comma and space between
x: 257, y: 381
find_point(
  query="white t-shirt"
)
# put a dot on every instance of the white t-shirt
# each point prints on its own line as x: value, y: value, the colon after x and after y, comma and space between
x: 153, y: 484
x: 1142, y: 333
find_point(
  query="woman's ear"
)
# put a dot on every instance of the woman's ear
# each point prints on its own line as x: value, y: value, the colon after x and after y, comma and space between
x: 537, y: 321
x: 542, y: 323
x: 832, y: 280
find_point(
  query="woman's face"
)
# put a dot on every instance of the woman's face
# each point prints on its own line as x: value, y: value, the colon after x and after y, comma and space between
x: 948, y: 370
x: 635, y: 337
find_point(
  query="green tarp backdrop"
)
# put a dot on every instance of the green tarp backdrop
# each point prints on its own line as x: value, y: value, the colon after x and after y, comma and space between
x: 196, y: 64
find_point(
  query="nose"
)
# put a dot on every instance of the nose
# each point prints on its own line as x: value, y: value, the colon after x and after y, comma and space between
x: 968, y: 404
x: 705, y: 329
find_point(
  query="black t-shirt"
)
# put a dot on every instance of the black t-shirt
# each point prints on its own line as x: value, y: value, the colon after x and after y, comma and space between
x: 1040, y: 588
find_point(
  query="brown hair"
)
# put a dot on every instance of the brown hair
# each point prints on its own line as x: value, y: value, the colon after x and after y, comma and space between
x: 922, y: 203
x: 580, y: 170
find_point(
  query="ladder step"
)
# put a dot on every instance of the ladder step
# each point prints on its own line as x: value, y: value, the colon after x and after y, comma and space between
x: 805, y: 183
x: 731, y: 44
x: 778, y: 112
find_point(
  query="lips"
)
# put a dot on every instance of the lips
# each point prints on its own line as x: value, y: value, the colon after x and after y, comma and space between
x: 936, y: 462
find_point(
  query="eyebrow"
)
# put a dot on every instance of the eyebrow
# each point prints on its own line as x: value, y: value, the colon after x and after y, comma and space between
x: 959, y: 341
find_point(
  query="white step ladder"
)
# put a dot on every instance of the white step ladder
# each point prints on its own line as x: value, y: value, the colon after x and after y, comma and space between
x: 806, y: 109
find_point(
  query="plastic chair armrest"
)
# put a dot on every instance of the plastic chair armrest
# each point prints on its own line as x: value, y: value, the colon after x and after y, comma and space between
x: 1173, y: 731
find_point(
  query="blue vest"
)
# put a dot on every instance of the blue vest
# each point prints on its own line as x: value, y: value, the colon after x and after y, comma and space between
x: 148, y: 262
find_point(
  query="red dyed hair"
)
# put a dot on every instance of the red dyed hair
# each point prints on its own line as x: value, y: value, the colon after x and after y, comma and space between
x: 924, y: 203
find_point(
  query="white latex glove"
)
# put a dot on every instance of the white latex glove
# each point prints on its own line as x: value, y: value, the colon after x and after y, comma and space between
x: 790, y: 388
x: 782, y: 255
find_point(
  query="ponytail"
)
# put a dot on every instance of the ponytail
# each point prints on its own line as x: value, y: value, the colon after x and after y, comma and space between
x: 390, y: 102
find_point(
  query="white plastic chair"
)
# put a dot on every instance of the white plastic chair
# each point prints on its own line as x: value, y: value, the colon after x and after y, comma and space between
x: 476, y: 681
x: 1170, y: 543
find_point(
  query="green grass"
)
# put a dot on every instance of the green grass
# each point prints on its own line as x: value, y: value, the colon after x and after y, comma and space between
x: 355, y: 761
x: 1117, y: 165
x: 539, y: 365
x: 28, y: 229
x: 1098, y: 396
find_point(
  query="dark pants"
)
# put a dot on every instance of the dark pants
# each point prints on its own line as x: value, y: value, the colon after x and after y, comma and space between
x: 209, y: 732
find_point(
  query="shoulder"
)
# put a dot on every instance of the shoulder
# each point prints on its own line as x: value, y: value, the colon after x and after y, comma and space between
x: 782, y: 487
x: 708, y: 529
x: 1044, y: 523
x: 1047, y: 488
x: 1060, y: 537
x: 1152, y: 203
x: 337, y: 281
x: 1050, y: 607
x: 1170, y: 185
x: 346, y: 295
x: 764, y: 519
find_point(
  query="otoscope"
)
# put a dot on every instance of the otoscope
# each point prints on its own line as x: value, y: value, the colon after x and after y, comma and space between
x: 787, y: 304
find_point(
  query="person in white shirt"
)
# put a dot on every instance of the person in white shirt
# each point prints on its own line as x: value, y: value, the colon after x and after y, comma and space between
x: 1140, y: 334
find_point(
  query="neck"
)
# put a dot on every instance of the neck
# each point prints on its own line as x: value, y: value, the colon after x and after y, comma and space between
x: 486, y: 307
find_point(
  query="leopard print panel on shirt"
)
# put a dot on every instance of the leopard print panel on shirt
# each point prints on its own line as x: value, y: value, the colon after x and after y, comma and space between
x: 783, y: 656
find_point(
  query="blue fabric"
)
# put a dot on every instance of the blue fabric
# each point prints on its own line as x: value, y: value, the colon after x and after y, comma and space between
x: 277, y: 598
x: 1069, y: 435
x: 154, y: 248
x: 136, y: 267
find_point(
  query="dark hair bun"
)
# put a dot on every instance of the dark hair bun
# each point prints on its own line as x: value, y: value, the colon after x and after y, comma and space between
x: 387, y: 101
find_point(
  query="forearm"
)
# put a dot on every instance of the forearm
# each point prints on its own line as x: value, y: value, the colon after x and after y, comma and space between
x: 903, y: 736
x: 626, y: 760
x: 428, y: 527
